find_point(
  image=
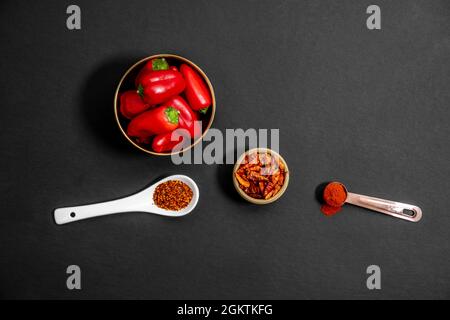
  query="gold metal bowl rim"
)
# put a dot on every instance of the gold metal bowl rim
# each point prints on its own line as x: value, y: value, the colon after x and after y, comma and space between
x: 199, y: 70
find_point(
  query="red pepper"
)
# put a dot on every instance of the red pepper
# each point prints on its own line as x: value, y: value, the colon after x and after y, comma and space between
x: 131, y: 104
x: 163, y: 142
x: 156, y: 121
x: 188, y: 119
x: 197, y: 93
x: 157, y: 86
x: 153, y: 65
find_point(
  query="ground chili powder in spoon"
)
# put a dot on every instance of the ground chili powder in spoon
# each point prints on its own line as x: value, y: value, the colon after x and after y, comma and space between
x: 334, y: 196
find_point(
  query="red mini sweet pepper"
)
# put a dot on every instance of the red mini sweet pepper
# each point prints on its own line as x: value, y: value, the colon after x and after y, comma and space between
x: 153, y: 65
x: 163, y: 142
x: 153, y: 122
x: 188, y: 119
x: 197, y: 93
x: 131, y: 104
x: 156, y: 87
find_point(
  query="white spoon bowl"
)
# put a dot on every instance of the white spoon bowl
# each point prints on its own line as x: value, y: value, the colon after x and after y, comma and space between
x: 141, y: 201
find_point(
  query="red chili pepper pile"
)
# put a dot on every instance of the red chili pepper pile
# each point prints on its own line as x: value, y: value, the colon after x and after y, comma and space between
x: 165, y: 99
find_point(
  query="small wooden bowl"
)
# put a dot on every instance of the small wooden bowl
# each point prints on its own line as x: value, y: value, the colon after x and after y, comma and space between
x: 246, y: 196
x: 127, y: 83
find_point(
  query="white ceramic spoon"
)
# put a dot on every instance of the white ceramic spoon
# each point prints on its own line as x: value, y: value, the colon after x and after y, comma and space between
x: 139, y: 202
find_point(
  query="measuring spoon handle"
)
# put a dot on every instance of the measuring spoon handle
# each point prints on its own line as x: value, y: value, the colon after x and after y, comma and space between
x: 396, y: 209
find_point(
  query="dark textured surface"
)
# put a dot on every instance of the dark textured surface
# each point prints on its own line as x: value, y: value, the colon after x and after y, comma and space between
x: 370, y: 108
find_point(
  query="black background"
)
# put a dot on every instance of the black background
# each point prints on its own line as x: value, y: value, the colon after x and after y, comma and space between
x: 368, y: 108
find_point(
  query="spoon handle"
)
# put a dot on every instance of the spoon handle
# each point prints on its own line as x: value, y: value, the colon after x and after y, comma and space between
x: 72, y: 214
x: 396, y: 209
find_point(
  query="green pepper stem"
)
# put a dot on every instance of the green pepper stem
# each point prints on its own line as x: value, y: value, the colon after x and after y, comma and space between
x: 204, y: 110
x: 172, y: 114
x: 140, y: 90
x: 160, y: 64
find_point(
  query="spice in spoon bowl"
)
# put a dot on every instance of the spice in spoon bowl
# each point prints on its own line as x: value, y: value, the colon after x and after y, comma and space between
x: 172, y: 195
x: 334, y: 196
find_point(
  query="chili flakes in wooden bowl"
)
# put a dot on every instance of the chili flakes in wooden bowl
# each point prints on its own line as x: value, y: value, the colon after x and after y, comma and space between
x: 261, y: 175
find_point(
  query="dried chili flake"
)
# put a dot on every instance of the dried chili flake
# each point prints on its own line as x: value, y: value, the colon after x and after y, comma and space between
x: 261, y: 175
x: 172, y: 195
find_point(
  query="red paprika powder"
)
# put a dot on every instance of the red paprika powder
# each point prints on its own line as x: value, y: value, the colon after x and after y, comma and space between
x: 334, y: 196
x: 329, y: 210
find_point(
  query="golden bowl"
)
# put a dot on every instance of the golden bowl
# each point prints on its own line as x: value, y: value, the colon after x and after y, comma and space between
x: 242, y: 192
x: 126, y: 83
